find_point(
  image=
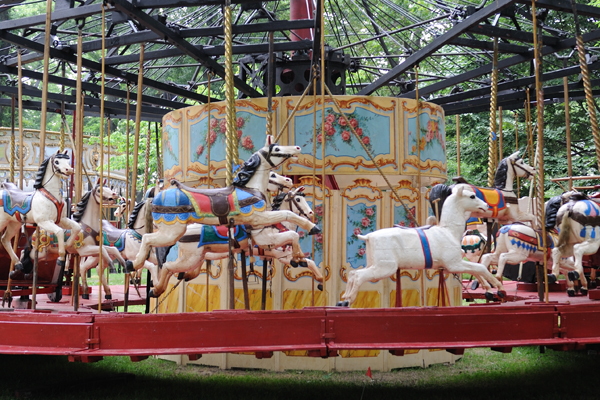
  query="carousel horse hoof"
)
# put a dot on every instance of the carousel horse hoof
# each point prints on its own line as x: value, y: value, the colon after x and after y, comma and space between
x: 19, y: 267
x: 303, y: 264
x: 60, y: 263
x: 315, y: 229
x: 181, y: 275
x: 152, y: 294
x: 294, y: 264
x: 137, y: 281
x: 583, y: 291
x: 345, y: 303
x: 551, y: 278
x: 501, y: 294
x: 489, y: 296
x: 28, y: 277
x: 320, y: 287
x: 85, y: 296
x: 339, y: 304
x: 17, y: 275
x: 571, y: 293
x: 573, y: 275
x: 474, y: 285
x: 108, y: 296
x: 129, y: 266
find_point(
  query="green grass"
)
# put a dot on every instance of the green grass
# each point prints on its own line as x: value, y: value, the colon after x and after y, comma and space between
x: 481, y: 374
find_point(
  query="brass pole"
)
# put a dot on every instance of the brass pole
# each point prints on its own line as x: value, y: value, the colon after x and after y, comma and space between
x: 419, y: 208
x: 101, y: 158
x: 500, y: 135
x: 568, y: 129
x: 457, y: 144
x: 493, y: 126
x: 138, y: 117
x: 20, y: 100
x: 325, y: 226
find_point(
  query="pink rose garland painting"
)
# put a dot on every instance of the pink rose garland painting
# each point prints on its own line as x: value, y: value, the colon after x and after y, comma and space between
x: 338, y: 131
x: 432, y: 138
x: 306, y: 240
x: 217, y: 132
x: 361, y: 220
x: 400, y: 217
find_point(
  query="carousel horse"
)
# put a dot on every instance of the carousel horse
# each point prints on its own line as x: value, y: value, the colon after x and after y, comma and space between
x: 48, y: 243
x: 205, y: 242
x: 87, y: 215
x: 44, y: 207
x: 473, y: 244
x: 579, y: 226
x: 437, y: 246
x: 243, y: 203
x: 517, y: 243
x: 502, y: 200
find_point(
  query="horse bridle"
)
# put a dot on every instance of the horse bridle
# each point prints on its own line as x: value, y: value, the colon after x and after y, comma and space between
x: 103, y: 198
x: 289, y: 198
x: 267, y: 155
x: 514, y: 165
x: 280, y: 186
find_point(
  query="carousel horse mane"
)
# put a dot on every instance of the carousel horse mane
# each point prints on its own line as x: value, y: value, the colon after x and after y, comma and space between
x: 78, y: 214
x: 551, y: 210
x: 247, y: 170
x: 576, y: 196
x: 134, y: 214
x: 441, y: 192
x: 278, y: 200
x: 501, y: 172
x: 39, y: 179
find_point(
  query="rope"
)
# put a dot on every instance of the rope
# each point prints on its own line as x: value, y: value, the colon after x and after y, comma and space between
x: 231, y: 136
x: 493, y: 126
x: 12, y: 140
x: 589, y: 97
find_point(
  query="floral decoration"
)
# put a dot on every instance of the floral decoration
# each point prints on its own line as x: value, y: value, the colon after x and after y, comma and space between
x: 362, y: 220
x: 429, y: 134
x: 218, y: 130
x: 337, y: 128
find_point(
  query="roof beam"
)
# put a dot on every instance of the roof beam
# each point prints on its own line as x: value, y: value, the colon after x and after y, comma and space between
x: 484, y: 45
x: 59, y: 15
x: 96, y: 66
x: 93, y: 88
x: 147, y: 36
x: 484, y: 91
x: 211, y: 51
x: 510, y: 34
x: 187, y: 3
x: 436, y: 44
x: 175, y: 39
x: 507, y: 62
x: 565, y: 6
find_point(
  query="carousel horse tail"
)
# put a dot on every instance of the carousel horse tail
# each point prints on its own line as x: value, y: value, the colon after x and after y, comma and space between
x: 566, y: 227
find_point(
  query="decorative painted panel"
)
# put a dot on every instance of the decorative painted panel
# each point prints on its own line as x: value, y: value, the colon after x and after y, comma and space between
x: 431, y: 137
x: 196, y: 297
x: 172, y: 132
x: 373, y: 119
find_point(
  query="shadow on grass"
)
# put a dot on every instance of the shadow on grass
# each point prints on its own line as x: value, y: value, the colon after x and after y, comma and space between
x: 483, y: 375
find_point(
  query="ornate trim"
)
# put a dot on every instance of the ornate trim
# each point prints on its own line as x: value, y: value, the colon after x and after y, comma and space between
x: 406, y: 272
x: 429, y: 165
x: 403, y: 186
x: 287, y: 272
x: 344, y: 104
x: 380, y: 161
x: 171, y: 117
x: 270, y: 274
x: 362, y: 183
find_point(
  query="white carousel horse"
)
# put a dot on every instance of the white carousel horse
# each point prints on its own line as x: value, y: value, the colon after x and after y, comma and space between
x: 243, y: 203
x: 579, y: 226
x: 502, y: 200
x: 44, y: 207
x: 47, y: 243
x: 87, y: 214
x: 417, y: 248
x: 202, y: 242
x: 517, y: 243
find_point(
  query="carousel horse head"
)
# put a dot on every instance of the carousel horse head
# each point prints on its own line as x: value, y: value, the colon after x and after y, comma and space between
x: 60, y: 164
x: 296, y: 202
x: 104, y: 194
x: 279, y: 183
x: 272, y: 155
x: 515, y: 163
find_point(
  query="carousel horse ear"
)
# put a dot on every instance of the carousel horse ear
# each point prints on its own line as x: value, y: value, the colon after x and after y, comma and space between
x: 301, y: 189
x: 269, y: 140
x: 105, y: 182
x: 66, y: 151
x: 515, y: 154
x: 459, y: 192
x: 98, y: 181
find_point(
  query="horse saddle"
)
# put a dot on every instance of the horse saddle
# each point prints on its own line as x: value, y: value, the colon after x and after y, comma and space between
x: 507, y: 199
x: 216, y: 235
x: 15, y: 200
x: 113, y: 236
x: 221, y: 201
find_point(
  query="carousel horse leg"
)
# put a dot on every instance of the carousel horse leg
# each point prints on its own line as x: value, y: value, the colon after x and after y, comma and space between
x: 165, y: 237
x: 10, y: 230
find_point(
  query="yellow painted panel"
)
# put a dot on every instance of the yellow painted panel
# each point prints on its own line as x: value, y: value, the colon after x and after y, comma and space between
x: 196, y: 298
x: 359, y: 353
x: 255, y: 297
x: 297, y: 299
x: 367, y: 299
x: 169, y: 300
x: 410, y: 298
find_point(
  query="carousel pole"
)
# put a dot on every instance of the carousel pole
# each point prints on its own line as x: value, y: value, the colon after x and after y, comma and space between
x: 517, y: 147
x: 493, y: 127
x: 323, y: 156
x: 208, y: 146
x: 7, y: 296
x: 314, y: 169
x: 540, y: 148
x: 44, y: 115
x: 231, y: 135
x: 138, y: 116
x: 419, y: 218
x: 20, y: 101
x: 101, y: 158
x: 568, y: 128
x: 78, y: 151
x: 128, y: 276
x: 500, y: 135
x: 589, y: 97
x: 457, y: 144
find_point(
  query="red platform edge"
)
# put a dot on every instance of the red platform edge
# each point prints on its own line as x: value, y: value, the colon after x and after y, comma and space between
x: 320, y: 331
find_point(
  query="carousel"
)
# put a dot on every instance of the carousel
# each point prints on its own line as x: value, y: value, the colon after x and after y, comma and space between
x: 299, y: 223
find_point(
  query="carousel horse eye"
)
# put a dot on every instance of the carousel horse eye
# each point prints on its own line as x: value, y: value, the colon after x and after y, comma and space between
x: 276, y: 149
x: 472, y: 196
